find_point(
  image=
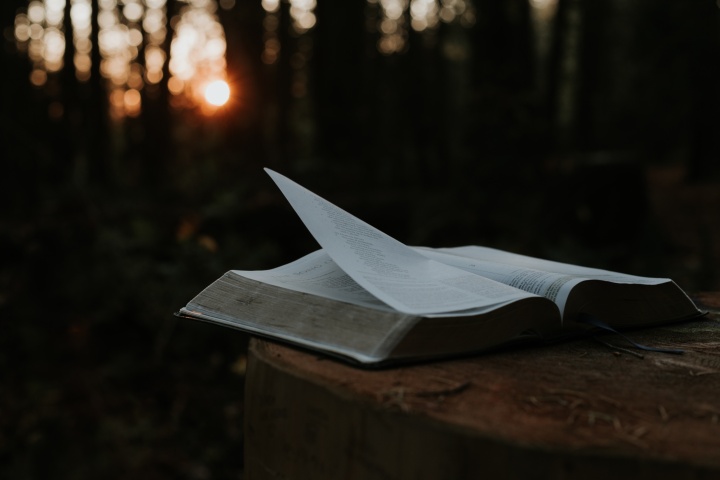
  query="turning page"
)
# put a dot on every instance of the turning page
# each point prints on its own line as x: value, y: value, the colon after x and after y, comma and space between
x: 398, y: 275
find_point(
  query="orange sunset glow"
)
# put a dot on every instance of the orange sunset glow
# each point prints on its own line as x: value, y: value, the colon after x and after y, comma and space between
x: 130, y: 40
x: 217, y: 93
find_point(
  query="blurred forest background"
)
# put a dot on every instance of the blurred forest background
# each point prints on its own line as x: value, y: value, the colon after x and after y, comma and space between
x: 575, y: 130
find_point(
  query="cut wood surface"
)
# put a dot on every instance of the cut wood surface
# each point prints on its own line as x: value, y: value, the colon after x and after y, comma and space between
x: 589, y: 408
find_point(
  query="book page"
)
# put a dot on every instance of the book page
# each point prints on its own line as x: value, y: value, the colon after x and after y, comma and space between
x: 391, y: 271
x: 552, y: 280
x: 317, y: 274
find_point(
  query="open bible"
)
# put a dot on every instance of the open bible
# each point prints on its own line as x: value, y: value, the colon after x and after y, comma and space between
x: 370, y: 299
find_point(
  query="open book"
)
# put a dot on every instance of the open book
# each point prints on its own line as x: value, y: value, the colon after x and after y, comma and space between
x: 370, y: 299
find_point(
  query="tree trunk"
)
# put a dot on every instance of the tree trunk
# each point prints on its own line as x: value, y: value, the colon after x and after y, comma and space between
x: 578, y: 409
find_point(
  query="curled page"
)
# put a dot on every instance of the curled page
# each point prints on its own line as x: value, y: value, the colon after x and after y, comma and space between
x: 552, y: 280
x: 317, y: 274
x: 400, y: 276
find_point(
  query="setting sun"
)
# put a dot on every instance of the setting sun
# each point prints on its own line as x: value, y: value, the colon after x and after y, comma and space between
x: 217, y: 93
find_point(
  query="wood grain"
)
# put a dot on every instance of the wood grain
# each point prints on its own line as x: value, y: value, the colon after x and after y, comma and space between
x: 582, y: 409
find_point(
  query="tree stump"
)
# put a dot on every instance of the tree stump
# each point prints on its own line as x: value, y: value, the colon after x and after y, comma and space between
x: 585, y: 409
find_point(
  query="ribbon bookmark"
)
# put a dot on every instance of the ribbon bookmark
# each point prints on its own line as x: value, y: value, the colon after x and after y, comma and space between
x: 592, y: 321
